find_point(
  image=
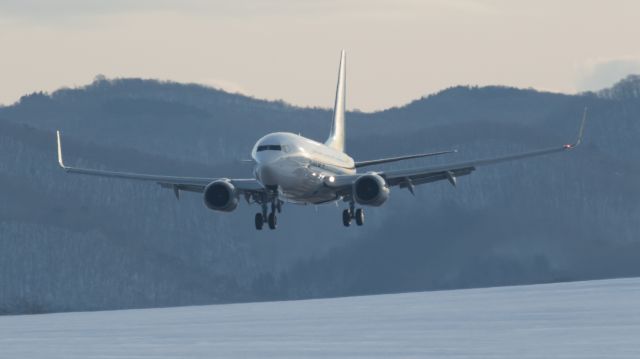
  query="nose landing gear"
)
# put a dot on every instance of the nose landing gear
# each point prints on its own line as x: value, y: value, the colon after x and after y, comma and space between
x: 270, y: 218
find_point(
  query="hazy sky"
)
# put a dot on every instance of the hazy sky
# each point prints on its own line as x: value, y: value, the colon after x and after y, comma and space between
x: 397, y: 50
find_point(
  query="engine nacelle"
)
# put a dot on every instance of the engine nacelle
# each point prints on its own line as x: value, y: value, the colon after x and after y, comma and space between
x: 221, y: 195
x: 370, y: 190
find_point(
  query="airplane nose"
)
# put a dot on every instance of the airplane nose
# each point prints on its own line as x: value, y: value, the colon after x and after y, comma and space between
x: 266, y: 173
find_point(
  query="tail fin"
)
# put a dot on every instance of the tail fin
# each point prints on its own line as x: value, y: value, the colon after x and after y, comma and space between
x: 337, y: 137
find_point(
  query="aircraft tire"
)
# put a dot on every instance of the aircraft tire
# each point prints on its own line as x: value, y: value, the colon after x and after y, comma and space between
x: 273, y: 220
x: 259, y: 221
x: 359, y: 216
x: 346, y: 217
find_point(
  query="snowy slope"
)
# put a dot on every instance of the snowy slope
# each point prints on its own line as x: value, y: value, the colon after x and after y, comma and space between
x: 595, y: 319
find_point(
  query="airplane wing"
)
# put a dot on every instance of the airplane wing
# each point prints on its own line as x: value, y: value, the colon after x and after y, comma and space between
x: 401, y: 158
x: 191, y: 184
x: 408, y: 178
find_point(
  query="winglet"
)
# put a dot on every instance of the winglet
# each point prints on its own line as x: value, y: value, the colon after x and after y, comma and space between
x: 60, y: 161
x: 580, y: 132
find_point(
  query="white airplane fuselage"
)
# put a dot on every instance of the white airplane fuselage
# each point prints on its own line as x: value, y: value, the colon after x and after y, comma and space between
x: 298, y: 167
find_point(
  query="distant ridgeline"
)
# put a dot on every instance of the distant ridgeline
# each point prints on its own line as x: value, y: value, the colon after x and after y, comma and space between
x: 626, y: 89
x: 77, y: 243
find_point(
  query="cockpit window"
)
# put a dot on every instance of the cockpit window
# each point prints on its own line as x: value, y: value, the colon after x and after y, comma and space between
x: 269, y: 148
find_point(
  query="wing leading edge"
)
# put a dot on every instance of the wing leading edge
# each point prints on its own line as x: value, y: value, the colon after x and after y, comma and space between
x: 401, y: 158
x: 407, y: 178
x: 191, y: 184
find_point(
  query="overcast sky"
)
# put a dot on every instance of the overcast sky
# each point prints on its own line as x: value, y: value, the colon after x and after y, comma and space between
x: 397, y: 50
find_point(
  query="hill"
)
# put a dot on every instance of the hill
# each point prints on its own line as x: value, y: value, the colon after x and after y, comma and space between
x: 76, y: 243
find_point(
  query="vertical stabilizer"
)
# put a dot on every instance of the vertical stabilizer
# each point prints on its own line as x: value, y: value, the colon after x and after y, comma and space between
x: 337, y: 137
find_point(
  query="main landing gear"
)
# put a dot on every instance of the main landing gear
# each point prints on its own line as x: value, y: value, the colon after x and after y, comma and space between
x: 351, y: 213
x: 271, y: 219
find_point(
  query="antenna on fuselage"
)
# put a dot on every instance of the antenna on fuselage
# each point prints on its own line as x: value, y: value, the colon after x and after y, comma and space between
x: 336, y: 139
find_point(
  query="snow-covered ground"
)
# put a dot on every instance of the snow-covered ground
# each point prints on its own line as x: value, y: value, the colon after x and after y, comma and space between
x: 595, y: 319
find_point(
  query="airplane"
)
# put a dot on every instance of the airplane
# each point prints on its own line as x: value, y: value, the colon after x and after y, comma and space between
x: 294, y: 169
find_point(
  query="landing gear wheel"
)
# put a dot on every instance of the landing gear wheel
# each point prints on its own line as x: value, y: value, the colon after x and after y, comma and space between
x: 346, y: 217
x: 359, y: 216
x: 273, y: 220
x: 259, y: 221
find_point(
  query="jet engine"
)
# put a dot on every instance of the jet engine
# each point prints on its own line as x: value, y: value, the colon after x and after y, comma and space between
x: 370, y: 190
x: 221, y: 195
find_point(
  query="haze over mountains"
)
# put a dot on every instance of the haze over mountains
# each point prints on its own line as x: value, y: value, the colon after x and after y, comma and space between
x: 81, y: 243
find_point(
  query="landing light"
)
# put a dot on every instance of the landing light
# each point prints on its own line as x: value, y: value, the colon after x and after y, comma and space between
x: 568, y: 146
x: 332, y: 179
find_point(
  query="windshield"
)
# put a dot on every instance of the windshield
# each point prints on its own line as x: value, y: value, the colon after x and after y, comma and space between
x: 269, y: 148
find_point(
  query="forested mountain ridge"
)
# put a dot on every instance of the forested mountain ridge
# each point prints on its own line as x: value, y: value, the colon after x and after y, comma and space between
x: 82, y: 243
